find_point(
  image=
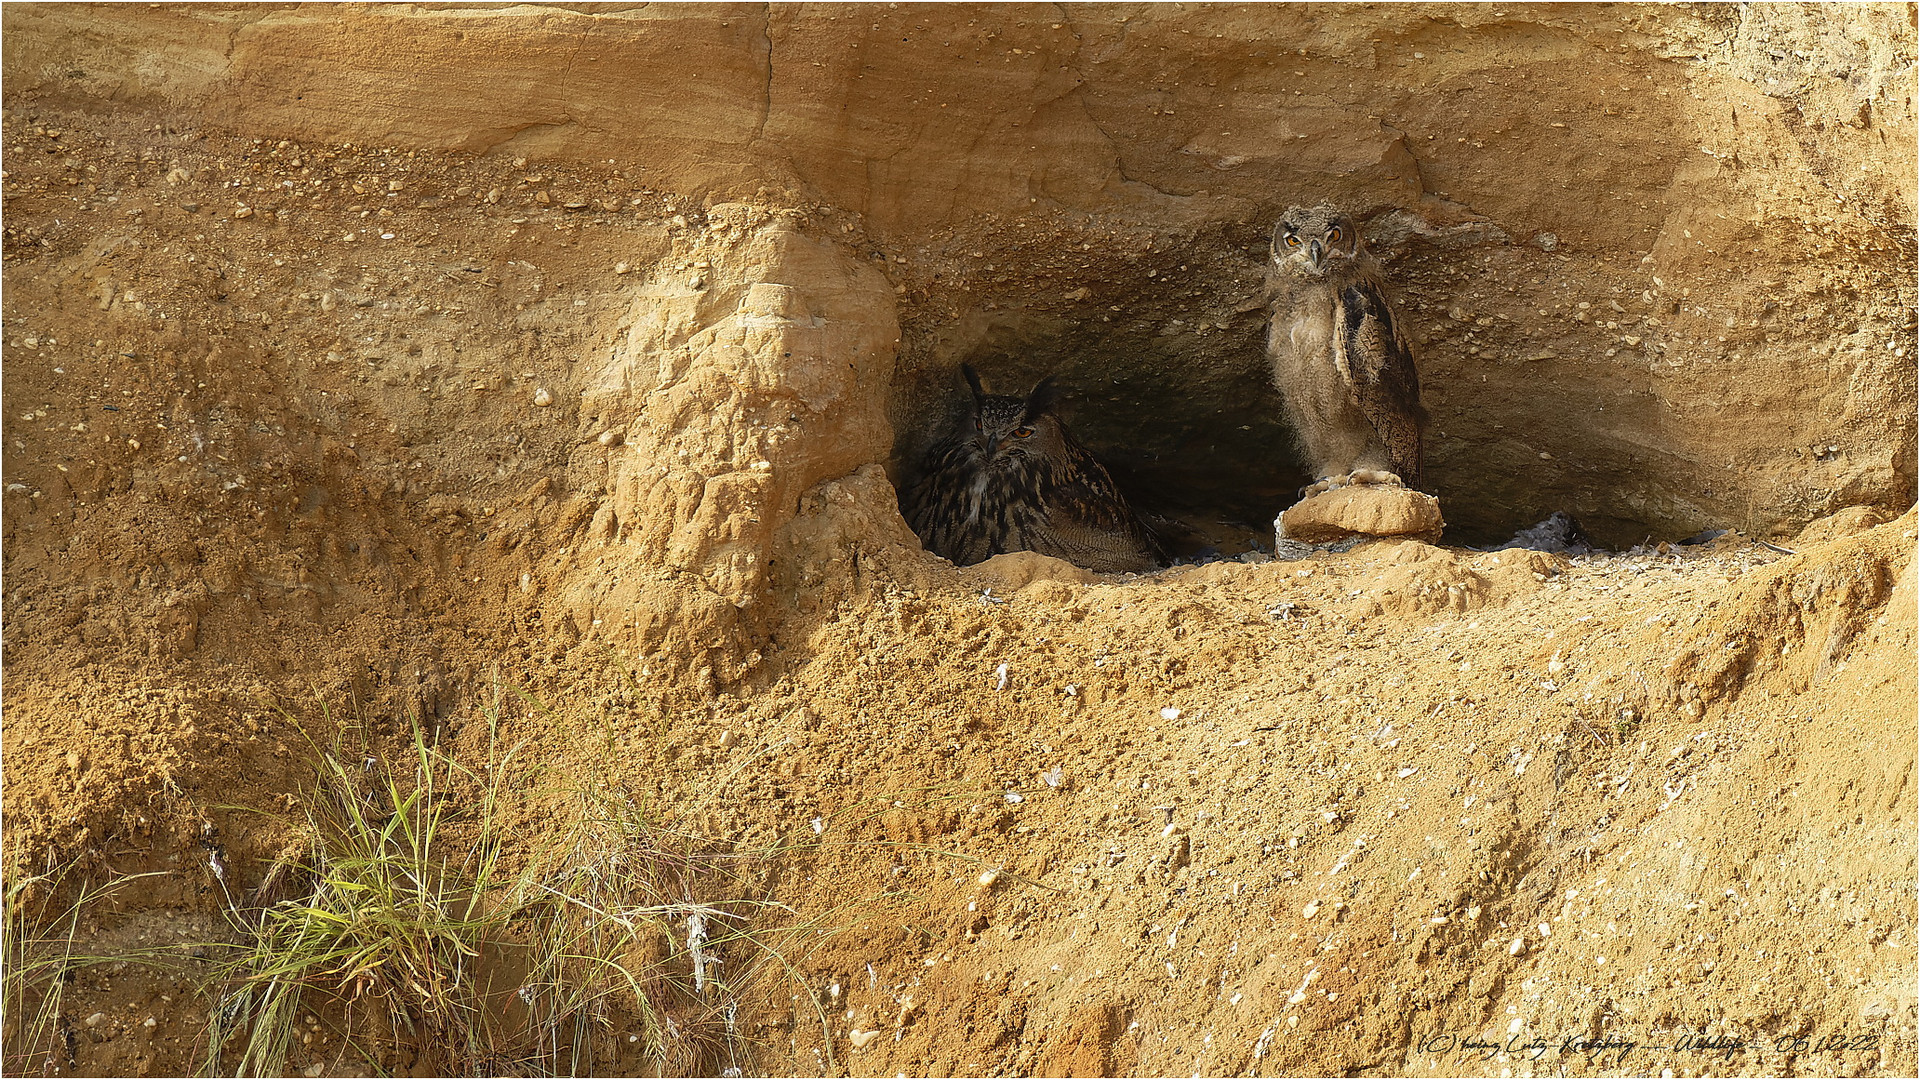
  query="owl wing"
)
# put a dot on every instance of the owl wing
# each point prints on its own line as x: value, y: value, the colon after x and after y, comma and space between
x: 1381, y: 376
x: 937, y: 507
x: 1090, y: 523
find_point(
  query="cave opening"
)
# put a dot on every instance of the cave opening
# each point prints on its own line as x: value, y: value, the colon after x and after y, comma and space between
x: 1158, y: 342
x: 1165, y: 379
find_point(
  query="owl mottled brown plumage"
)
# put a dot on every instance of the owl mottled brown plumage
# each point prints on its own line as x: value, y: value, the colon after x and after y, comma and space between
x: 1012, y: 478
x: 1339, y: 356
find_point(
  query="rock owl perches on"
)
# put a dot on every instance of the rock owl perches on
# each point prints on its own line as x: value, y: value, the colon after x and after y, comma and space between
x: 1339, y: 357
x: 1012, y: 478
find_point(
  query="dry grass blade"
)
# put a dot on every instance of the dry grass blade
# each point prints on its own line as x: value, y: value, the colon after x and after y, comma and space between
x: 39, y: 937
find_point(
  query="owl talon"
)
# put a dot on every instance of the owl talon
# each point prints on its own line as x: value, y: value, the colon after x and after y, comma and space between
x: 1375, y: 476
x: 1357, y: 476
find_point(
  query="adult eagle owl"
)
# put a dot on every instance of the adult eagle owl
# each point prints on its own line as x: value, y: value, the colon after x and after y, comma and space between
x: 1013, y: 478
x: 1339, y: 357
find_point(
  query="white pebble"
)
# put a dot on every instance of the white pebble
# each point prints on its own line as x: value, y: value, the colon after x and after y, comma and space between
x: 543, y: 397
x: 1169, y: 713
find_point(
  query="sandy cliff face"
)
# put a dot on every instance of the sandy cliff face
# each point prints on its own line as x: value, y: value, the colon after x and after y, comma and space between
x: 1625, y: 235
x: 368, y: 363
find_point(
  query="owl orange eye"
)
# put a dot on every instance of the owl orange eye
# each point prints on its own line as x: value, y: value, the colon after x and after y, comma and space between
x: 1333, y: 235
x: 1022, y: 432
x: 1293, y: 241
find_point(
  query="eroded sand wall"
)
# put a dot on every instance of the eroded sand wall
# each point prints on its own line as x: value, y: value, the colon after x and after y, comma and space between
x: 1628, y: 237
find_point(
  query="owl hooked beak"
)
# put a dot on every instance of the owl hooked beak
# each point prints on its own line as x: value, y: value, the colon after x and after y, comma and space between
x: 1316, y: 255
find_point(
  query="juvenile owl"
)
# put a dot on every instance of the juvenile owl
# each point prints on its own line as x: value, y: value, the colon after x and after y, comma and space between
x: 1339, y: 357
x: 1013, y: 479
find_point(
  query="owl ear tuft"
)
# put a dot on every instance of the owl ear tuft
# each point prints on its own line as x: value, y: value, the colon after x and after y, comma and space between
x: 973, y: 380
x: 1045, y: 396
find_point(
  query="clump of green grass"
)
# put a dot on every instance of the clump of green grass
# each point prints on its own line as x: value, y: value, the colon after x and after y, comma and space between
x: 432, y: 929
x: 389, y: 917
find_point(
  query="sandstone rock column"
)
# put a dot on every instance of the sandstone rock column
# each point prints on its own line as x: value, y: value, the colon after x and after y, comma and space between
x: 753, y: 369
